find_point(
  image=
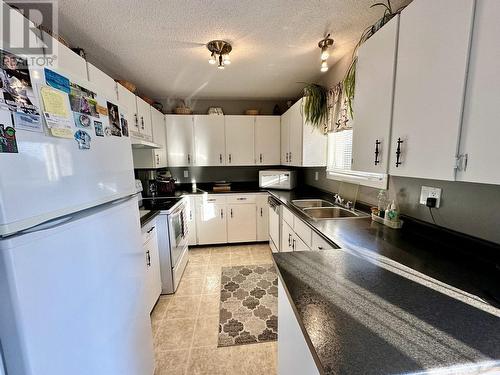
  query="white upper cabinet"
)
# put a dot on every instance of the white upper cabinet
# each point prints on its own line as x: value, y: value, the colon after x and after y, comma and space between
x: 239, y: 140
x: 144, y: 119
x: 67, y: 62
x: 126, y: 101
x: 180, y: 140
x: 210, y: 148
x: 267, y: 135
x: 157, y: 157
x: 302, y: 145
x: 375, y: 73
x: 432, y: 61
x: 104, y: 84
x: 480, y: 129
x: 285, y: 138
x: 295, y: 132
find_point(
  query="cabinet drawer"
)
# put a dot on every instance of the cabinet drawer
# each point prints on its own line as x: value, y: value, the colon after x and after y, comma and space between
x: 303, y: 231
x: 214, y: 199
x: 148, y: 231
x: 239, y: 199
x: 287, y: 216
x: 318, y: 243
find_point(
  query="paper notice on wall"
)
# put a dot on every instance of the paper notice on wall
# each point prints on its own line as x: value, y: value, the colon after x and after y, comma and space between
x: 56, y: 112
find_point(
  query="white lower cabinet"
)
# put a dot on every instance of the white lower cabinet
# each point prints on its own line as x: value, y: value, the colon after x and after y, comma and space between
x: 287, y: 234
x: 294, y: 355
x: 296, y: 235
x: 319, y: 243
x: 211, y: 223
x: 228, y: 218
x: 152, y: 263
x: 262, y: 218
x: 241, y: 222
x: 191, y: 221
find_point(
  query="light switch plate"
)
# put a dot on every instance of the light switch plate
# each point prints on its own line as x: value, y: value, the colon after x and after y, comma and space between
x: 430, y: 192
x: 186, y: 173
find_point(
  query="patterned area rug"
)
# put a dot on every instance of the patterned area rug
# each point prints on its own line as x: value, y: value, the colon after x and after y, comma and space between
x: 248, y: 305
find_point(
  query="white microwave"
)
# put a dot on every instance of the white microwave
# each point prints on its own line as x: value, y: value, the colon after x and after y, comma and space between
x: 277, y: 179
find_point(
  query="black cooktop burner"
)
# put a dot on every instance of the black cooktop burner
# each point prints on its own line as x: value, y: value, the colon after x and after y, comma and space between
x: 159, y: 204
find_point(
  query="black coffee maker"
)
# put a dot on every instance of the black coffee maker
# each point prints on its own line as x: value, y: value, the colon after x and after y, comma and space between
x: 148, y: 180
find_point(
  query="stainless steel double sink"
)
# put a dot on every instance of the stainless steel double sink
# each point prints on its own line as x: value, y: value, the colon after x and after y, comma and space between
x: 319, y: 209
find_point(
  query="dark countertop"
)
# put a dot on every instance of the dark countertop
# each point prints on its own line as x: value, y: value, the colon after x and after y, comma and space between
x: 364, y: 309
x: 203, y: 188
x: 364, y: 314
x: 147, y: 216
x: 456, y: 260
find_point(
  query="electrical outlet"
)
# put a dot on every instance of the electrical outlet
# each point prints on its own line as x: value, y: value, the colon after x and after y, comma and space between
x: 316, y: 176
x: 430, y: 192
x: 186, y: 174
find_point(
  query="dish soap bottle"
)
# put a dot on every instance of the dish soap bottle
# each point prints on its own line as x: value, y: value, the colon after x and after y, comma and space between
x: 392, y: 214
x: 382, y: 202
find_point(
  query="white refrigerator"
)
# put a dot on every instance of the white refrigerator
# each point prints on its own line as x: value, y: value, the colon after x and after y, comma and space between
x: 72, y: 268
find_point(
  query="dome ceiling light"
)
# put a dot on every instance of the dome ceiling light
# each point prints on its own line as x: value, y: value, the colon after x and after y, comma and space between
x: 325, y: 44
x: 220, y: 50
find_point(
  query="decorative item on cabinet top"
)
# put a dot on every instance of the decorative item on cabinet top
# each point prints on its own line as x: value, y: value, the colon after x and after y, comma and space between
x: 349, y: 81
x: 215, y: 111
x: 183, y: 109
x: 315, y: 105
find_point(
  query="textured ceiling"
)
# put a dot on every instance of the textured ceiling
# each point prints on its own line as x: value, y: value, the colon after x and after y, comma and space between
x: 159, y: 45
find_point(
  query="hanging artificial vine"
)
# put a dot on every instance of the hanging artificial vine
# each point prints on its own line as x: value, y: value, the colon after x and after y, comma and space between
x: 315, y: 104
x: 349, y: 81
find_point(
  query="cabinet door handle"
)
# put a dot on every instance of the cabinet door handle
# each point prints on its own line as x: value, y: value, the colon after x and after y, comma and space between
x: 157, y: 159
x: 320, y: 247
x: 231, y: 213
x: 148, y: 259
x: 229, y: 158
x: 189, y: 158
x: 221, y: 213
x: 293, y: 244
x: 241, y: 199
x: 220, y: 158
x: 289, y: 240
x: 261, y: 212
x: 377, y: 152
x: 136, y: 120
x: 152, y: 229
x: 290, y: 157
x: 260, y: 158
x: 398, y: 153
x: 190, y: 215
x: 142, y: 122
x: 211, y: 200
x: 286, y: 158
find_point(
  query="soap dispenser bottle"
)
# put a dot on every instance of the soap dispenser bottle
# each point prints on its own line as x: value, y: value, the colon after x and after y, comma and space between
x: 392, y: 214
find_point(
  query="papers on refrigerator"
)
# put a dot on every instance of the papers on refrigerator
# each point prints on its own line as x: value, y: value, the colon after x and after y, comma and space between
x: 16, y: 92
x: 56, y: 112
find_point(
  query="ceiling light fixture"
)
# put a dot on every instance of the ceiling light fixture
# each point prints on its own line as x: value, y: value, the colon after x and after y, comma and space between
x: 325, y: 44
x: 220, y: 50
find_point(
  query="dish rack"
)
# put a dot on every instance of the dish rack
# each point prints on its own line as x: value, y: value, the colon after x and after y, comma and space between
x: 389, y: 223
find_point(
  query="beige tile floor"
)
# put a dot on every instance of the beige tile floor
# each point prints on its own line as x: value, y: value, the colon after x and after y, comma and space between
x: 185, y: 325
